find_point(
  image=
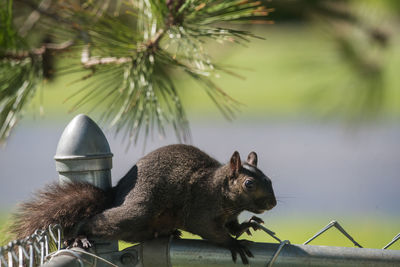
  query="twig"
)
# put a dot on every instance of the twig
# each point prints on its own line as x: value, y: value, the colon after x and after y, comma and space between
x: 21, y: 55
x: 151, y: 45
x: 89, y: 62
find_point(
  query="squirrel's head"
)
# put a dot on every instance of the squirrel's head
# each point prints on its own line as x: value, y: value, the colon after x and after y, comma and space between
x: 253, y: 189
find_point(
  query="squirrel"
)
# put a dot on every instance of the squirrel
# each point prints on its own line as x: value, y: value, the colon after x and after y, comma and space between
x: 174, y: 187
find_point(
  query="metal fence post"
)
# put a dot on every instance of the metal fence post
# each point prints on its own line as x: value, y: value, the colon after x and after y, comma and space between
x: 83, y: 154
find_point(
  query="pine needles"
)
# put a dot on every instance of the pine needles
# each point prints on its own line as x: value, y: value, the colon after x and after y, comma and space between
x: 18, y: 81
x: 19, y: 73
x: 132, y: 49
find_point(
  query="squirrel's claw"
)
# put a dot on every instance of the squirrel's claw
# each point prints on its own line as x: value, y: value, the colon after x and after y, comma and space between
x: 236, y: 247
x: 256, y: 219
x: 246, y: 226
x: 78, y: 242
x: 85, y: 242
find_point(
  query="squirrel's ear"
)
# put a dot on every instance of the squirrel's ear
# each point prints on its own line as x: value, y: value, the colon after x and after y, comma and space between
x: 235, y: 163
x: 252, y: 159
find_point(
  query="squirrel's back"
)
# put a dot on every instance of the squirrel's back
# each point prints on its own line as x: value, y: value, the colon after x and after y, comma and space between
x: 64, y: 204
x: 173, y: 169
x: 70, y: 203
x: 177, y: 159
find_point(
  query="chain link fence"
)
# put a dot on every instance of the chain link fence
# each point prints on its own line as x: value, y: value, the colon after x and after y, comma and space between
x: 45, y: 245
x: 32, y: 250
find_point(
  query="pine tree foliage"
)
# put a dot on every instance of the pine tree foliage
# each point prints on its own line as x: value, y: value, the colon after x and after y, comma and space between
x: 128, y: 53
x: 130, y: 49
x: 19, y: 73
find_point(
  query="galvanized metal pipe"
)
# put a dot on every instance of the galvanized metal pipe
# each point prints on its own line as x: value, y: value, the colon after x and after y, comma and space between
x: 198, y: 253
x: 69, y: 258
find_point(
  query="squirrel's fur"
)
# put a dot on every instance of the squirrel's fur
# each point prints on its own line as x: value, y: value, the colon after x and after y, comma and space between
x: 65, y: 204
x: 174, y: 187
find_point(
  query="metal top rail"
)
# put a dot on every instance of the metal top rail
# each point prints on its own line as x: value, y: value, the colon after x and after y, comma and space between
x: 34, y: 251
x: 199, y: 253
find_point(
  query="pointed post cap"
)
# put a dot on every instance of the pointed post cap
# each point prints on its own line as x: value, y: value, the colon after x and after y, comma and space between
x: 83, y: 153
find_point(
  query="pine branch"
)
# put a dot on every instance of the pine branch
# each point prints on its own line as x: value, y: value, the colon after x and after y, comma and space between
x: 133, y: 54
x: 37, y: 52
x: 17, y: 85
x: 90, y: 62
x: 144, y: 62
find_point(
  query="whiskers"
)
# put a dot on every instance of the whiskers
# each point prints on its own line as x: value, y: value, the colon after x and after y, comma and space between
x: 284, y: 199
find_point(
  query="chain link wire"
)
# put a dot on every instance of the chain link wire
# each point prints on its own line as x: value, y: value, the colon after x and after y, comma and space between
x: 32, y: 250
x: 40, y: 247
x: 337, y: 226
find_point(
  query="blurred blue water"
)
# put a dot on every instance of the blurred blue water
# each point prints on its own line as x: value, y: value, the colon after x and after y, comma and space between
x: 315, y: 167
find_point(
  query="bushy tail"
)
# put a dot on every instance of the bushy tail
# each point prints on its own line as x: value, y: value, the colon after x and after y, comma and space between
x: 66, y: 204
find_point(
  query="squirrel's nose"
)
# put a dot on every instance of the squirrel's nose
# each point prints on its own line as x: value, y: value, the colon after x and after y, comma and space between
x: 271, y: 203
x: 267, y: 203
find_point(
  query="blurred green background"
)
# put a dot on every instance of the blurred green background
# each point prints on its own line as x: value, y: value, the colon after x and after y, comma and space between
x: 310, y: 67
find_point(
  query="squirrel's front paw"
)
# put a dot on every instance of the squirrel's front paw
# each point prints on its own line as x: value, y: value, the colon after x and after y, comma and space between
x: 238, y: 246
x: 78, y: 242
x: 256, y: 219
x: 253, y: 222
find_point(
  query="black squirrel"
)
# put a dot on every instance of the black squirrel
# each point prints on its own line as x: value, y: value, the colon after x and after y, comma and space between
x: 174, y: 187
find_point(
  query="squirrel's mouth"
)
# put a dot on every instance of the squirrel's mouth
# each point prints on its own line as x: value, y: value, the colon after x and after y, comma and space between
x: 264, y: 204
x: 259, y: 211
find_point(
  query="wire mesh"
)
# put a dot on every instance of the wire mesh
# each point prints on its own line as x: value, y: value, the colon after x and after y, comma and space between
x: 32, y: 250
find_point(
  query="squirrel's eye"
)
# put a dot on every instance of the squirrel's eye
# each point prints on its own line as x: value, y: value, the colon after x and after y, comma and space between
x: 249, y: 184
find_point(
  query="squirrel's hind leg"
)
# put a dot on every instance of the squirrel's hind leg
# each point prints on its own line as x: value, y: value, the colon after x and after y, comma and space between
x: 125, y: 222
